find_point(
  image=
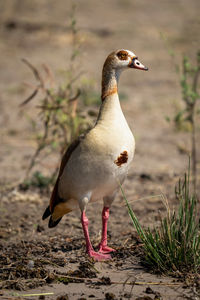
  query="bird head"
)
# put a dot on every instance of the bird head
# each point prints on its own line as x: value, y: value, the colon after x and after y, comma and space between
x: 123, y: 59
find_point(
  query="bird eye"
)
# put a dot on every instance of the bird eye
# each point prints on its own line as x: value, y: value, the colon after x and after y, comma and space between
x: 122, y: 55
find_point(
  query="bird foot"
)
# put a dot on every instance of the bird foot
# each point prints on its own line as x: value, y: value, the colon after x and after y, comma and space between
x: 98, y: 256
x: 105, y: 249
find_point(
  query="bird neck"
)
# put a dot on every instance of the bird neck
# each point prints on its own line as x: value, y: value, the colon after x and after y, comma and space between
x: 110, y: 109
x: 110, y: 77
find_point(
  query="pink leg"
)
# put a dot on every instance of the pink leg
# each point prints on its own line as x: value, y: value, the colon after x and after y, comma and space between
x: 103, y: 248
x: 89, y: 249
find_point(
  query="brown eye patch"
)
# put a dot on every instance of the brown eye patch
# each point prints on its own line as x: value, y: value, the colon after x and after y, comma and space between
x: 122, y: 55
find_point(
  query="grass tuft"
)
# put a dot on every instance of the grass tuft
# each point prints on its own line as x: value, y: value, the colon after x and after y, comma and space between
x: 175, y: 244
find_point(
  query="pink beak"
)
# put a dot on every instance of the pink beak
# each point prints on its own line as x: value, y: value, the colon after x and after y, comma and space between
x: 136, y: 64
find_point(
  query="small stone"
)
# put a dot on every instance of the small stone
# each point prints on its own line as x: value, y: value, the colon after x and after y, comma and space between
x: 149, y: 290
x: 30, y: 264
x: 50, y: 278
x: 40, y: 228
x: 110, y: 296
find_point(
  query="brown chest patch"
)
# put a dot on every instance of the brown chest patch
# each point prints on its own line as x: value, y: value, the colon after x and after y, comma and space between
x: 108, y: 93
x: 122, y: 159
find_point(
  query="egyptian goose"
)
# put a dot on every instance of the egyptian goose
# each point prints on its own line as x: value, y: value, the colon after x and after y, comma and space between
x: 94, y: 164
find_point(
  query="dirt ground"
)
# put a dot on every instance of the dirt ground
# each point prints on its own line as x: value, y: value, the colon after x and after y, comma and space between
x: 35, y: 259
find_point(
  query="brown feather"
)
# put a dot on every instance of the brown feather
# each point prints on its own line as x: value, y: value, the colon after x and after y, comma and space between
x: 55, y: 199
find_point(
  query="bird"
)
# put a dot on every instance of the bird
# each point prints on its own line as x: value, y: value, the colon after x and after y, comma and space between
x: 95, y: 163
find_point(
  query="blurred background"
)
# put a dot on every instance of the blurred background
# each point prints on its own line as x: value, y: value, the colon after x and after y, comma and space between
x: 51, y: 58
x: 76, y: 37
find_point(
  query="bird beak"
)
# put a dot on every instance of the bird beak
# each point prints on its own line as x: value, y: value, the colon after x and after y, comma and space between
x: 136, y: 64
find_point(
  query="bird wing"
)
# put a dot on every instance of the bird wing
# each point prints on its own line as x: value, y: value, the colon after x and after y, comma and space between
x: 55, y: 199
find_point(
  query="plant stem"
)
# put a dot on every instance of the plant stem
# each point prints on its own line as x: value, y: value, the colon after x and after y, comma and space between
x: 194, y: 158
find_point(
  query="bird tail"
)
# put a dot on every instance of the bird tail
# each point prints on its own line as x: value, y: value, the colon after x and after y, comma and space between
x: 52, y: 223
x: 56, y: 209
x: 50, y: 209
x: 47, y: 213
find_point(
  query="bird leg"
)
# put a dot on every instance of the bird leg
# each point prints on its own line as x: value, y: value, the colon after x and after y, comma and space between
x: 89, y: 249
x: 103, y: 248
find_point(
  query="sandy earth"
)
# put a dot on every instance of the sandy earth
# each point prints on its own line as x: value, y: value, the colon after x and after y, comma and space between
x: 25, y: 241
